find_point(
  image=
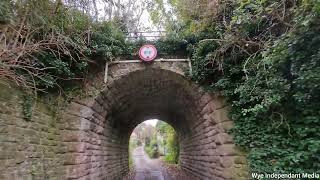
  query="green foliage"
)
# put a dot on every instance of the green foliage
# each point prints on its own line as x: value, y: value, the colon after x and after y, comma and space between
x: 152, y: 147
x: 52, y: 43
x: 164, y: 136
x: 173, y: 147
x: 132, y: 146
x: 107, y: 41
x: 5, y: 11
x: 171, y: 46
x: 147, y: 141
x: 171, y: 142
x: 27, y: 107
x: 264, y: 57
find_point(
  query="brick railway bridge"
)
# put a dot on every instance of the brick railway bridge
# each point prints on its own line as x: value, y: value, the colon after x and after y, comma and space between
x: 89, y: 139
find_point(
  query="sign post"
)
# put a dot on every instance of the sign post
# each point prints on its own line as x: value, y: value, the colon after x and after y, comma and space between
x: 148, y: 53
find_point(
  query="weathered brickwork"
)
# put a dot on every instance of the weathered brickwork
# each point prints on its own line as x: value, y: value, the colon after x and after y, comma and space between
x: 90, y: 139
x: 28, y: 149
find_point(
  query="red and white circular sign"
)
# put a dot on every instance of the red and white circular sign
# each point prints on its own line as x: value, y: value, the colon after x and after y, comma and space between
x: 148, y: 53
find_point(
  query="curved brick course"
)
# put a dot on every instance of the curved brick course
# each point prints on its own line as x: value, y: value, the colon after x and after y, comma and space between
x: 94, y: 132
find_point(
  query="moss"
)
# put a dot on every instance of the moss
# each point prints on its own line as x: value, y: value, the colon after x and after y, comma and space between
x: 27, y: 106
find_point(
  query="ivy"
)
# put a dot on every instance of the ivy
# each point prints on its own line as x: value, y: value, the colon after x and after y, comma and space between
x: 272, y: 81
x: 27, y: 107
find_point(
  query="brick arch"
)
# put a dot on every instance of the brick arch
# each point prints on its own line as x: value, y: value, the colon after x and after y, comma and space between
x: 100, y: 128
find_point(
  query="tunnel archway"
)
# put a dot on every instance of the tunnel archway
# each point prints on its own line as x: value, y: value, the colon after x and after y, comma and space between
x: 158, y: 137
x: 136, y: 93
x: 153, y: 149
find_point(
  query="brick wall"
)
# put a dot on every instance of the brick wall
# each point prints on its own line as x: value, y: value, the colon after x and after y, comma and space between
x: 28, y: 149
x: 90, y: 139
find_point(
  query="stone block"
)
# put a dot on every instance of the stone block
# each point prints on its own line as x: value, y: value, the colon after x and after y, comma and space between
x: 80, y: 110
x: 226, y: 150
x: 205, y: 99
x: 223, y: 138
x: 220, y: 115
x: 240, y: 160
x: 226, y: 161
x: 71, y: 136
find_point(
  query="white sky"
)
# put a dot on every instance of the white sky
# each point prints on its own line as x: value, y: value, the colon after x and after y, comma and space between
x: 152, y: 122
x: 145, y: 20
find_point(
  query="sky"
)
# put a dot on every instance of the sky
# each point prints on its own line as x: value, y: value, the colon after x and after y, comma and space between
x: 145, y: 20
x: 151, y: 122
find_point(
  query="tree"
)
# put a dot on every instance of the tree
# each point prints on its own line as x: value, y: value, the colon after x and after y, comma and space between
x: 171, y: 141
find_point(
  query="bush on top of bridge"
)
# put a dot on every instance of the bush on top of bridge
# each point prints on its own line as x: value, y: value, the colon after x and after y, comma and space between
x: 46, y: 43
x: 171, y: 46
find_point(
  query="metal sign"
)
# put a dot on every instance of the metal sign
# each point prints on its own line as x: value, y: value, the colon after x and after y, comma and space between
x: 148, y: 53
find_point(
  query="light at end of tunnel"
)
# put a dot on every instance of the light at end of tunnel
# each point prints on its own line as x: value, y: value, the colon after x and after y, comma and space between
x: 152, y: 122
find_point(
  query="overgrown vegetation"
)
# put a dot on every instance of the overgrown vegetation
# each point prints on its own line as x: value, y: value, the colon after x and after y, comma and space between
x: 264, y: 57
x: 46, y: 44
x: 132, y: 145
x: 169, y: 46
x: 151, y: 146
x: 170, y: 142
x: 51, y: 45
x: 27, y: 106
x: 161, y: 140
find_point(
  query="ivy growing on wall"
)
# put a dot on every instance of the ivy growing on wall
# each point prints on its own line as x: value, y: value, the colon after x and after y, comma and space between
x: 265, y: 59
x: 27, y: 107
x: 264, y: 56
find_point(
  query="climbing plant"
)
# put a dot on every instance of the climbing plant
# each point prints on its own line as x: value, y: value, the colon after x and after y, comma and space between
x: 170, y: 142
x: 28, y: 106
x: 264, y: 57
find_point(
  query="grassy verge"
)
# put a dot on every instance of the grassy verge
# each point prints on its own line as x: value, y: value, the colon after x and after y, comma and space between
x: 132, y: 146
